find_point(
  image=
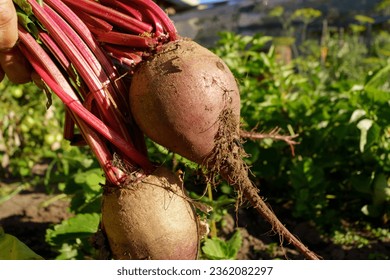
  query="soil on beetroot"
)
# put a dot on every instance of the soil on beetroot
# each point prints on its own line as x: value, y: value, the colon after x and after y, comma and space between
x: 27, y: 217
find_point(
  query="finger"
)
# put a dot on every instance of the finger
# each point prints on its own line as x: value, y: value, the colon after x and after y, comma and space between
x: 1, y: 74
x: 8, y: 25
x: 15, y: 65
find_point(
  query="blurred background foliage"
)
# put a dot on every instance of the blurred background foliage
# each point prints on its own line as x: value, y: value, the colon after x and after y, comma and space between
x: 331, y: 88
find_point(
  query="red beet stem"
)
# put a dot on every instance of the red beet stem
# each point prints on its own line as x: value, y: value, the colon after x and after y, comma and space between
x: 165, y: 20
x: 124, y: 8
x: 86, y: 66
x: 124, y: 54
x: 96, y: 22
x: 90, y: 46
x: 123, y: 21
x: 124, y: 39
x: 83, y: 31
x: 36, y: 56
x: 55, y: 80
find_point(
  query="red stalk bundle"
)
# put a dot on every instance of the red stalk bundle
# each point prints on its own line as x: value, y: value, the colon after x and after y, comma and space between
x: 78, y: 52
x: 79, y: 41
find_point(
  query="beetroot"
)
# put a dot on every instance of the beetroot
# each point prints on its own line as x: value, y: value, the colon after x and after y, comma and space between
x: 150, y: 219
x: 192, y: 86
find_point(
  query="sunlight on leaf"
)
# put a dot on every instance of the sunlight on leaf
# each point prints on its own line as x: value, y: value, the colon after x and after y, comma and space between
x: 307, y: 14
x: 364, y: 19
x: 81, y: 225
x: 356, y: 115
x: 381, y: 189
x: 364, y: 125
x: 277, y: 11
x: 218, y: 249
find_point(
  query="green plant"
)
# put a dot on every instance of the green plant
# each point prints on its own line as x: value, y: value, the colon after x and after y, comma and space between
x: 349, y: 239
x: 26, y: 128
x: 213, y: 208
x: 337, y: 108
x: 12, y: 248
x: 217, y: 249
x: 72, y: 238
x: 306, y: 16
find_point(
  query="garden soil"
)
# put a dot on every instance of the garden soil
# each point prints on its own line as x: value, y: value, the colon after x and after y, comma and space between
x: 28, y: 214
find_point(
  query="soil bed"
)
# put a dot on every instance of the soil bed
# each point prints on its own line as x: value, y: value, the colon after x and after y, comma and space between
x: 28, y: 214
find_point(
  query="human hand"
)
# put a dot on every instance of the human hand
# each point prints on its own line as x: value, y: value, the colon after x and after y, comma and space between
x: 12, y: 62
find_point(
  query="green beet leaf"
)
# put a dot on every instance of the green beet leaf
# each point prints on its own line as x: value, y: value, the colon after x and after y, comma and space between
x: 218, y: 249
x: 79, y: 226
x: 11, y: 248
